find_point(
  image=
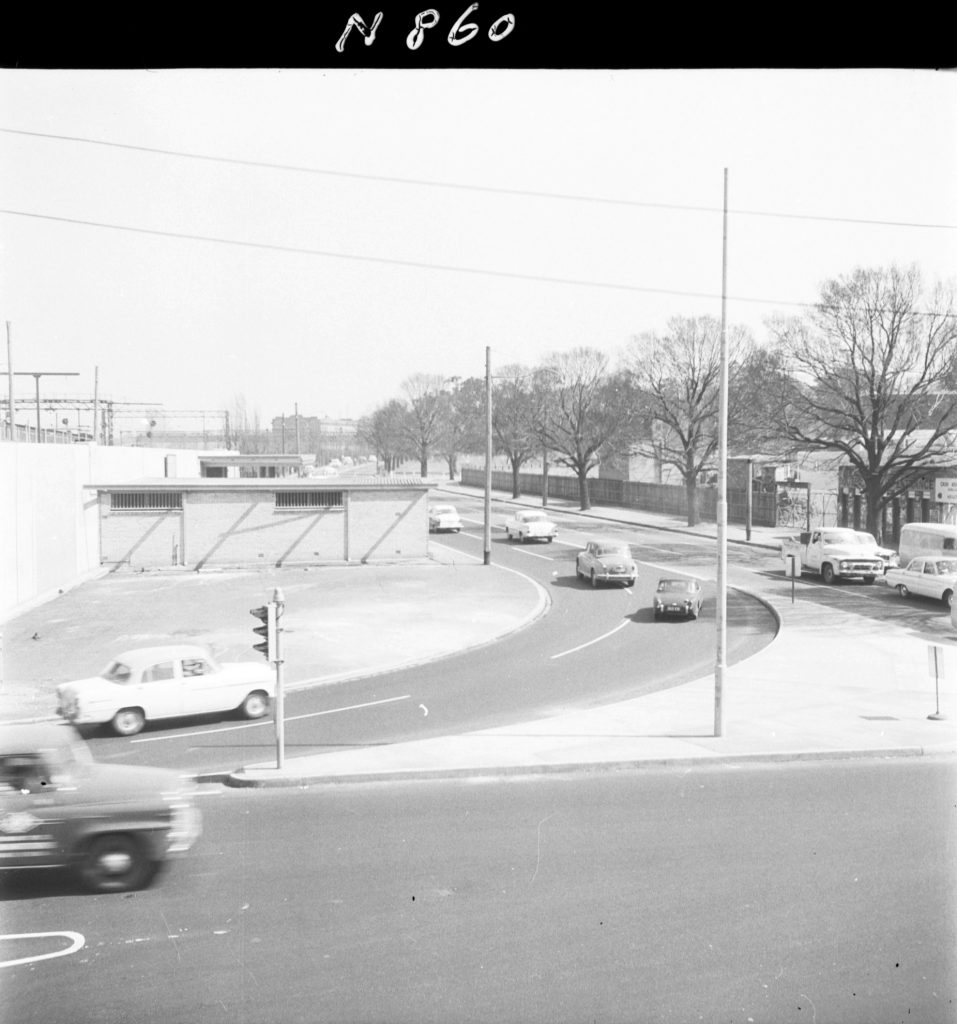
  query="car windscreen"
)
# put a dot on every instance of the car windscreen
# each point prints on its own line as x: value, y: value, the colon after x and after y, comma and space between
x: 681, y: 586
x: 613, y: 551
x: 117, y: 672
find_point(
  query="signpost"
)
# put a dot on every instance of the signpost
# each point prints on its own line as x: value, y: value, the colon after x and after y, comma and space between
x: 935, y: 666
x: 792, y: 570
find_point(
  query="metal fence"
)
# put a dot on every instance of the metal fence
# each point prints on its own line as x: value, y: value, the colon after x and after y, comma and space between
x: 666, y: 499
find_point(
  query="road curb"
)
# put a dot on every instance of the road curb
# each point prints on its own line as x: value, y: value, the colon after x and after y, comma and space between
x: 240, y: 780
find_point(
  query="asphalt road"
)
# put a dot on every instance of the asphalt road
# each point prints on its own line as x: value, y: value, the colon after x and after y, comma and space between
x: 808, y: 892
x: 595, y: 645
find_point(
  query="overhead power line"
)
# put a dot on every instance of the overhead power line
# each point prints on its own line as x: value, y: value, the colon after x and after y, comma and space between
x: 426, y: 183
x: 418, y: 265
x: 415, y: 264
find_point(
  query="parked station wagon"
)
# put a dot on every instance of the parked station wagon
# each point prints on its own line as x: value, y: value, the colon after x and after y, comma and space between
x: 165, y: 682
x: 114, y: 825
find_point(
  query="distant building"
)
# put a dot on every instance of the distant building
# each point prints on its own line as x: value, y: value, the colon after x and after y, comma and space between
x: 325, y: 438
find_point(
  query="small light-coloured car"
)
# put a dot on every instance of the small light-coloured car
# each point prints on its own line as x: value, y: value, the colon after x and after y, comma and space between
x: 606, y: 561
x: 444, y: 517
x: 165, y: 682
x: 926, y: 577
x: 113, y: 824
x: 677, y: 597
x: 528, y: 525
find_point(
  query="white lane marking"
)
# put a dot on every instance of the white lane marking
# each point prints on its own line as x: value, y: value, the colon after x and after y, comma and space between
x: 604, y: 636
x: 77, y: 939
x: 268, y: 721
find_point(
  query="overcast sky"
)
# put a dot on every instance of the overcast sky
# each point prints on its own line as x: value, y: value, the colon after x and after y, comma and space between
x: 317, y: 236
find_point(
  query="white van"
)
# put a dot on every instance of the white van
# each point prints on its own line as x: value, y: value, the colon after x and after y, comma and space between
x: 927, y: 539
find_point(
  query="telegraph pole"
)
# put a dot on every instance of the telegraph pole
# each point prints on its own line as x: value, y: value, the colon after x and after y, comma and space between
x: 487, y: 532
x: 13, y: 430
x: 36, y: 375
x: 722, y: 510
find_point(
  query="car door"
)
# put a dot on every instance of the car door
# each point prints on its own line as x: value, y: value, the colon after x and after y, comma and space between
x: 161, y: 690
x: 32, y: 830
x: 929, y: 580
x: 203, y: 689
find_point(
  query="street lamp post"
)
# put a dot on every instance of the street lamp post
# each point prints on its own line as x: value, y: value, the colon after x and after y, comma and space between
x: 487, y: 530
x: 722, y: 510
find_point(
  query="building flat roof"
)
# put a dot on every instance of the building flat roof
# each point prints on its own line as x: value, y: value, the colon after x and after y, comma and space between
x: 278, y: 483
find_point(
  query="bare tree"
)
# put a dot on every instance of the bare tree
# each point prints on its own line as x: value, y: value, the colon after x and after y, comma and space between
x: 424, y: 393
x: 461, y: 419
x: 246, y: 434
x: 873, y: 367
x: 679, y: 375
x: 592, y: 413
x: 514, y: 424
x: 386, y: 432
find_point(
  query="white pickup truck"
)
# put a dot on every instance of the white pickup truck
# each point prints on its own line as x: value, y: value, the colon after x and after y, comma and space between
x: 833, y: 552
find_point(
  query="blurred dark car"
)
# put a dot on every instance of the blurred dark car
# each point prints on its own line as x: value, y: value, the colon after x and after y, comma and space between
x: 114, y: 825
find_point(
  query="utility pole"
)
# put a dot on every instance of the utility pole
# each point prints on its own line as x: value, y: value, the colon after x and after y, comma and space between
x: 96, y: 403
x: 722, y: 510
x: 36, y: 375
x: 13, y: 429
x: 487, y: 532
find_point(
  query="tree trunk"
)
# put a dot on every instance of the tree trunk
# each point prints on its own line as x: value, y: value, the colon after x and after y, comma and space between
x: 584, y: 498
x: 516, y: 489
x: 691, y: 490
x: 424, y: 462
x: 874, y: 520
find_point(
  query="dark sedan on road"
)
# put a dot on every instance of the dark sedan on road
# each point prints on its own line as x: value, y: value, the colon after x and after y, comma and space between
x: 678, y: 597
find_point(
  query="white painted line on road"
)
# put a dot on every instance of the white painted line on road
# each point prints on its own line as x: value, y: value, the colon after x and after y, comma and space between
x: 268, y: 721
x: 604, y: 636
x: 351, y: 707
x: 77, y: 939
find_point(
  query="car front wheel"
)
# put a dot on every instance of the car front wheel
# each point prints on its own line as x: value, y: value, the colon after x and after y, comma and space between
x: 594, y: 579
x: 902, y: 590
x: 827, y: 572
x: 115, y: 863
x: 128, y: 721
x: 948, y: 599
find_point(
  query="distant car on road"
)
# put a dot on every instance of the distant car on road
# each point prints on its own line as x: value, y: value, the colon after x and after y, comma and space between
x: 677, y: 597
x: 528, y: 525
x: 926, y: 577
x: 444, y: 517
x: 606, y: 561
x: 113, y: 824
x: 165, y: 682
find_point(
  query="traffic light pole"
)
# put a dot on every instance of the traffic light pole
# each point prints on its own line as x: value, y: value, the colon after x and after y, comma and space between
x: 271, y: 648
x: 280, y: 717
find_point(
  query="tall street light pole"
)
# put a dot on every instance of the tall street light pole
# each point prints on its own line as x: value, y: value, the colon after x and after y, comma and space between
x: 487, y: 531
x: 722, y: 510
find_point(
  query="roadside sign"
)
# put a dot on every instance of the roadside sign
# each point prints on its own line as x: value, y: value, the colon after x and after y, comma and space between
x: 945, y: 489
x: 935, y: 661
x: 792, y: 566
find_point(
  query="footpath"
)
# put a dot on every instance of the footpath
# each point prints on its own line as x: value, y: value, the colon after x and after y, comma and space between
x: 834, y: 683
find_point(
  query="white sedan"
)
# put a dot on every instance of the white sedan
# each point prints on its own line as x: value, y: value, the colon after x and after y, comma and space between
x: 165, y: 682
x: 444, y: 517
x: 927, y: 577
x: 528, y: 525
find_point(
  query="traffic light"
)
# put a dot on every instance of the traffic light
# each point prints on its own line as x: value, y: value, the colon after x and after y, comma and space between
x: 268, y: 617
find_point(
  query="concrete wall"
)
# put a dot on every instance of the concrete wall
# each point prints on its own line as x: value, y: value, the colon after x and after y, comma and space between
x: 49, y: 525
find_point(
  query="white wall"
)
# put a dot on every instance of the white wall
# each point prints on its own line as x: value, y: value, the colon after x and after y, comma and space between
x: 49, y: 525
